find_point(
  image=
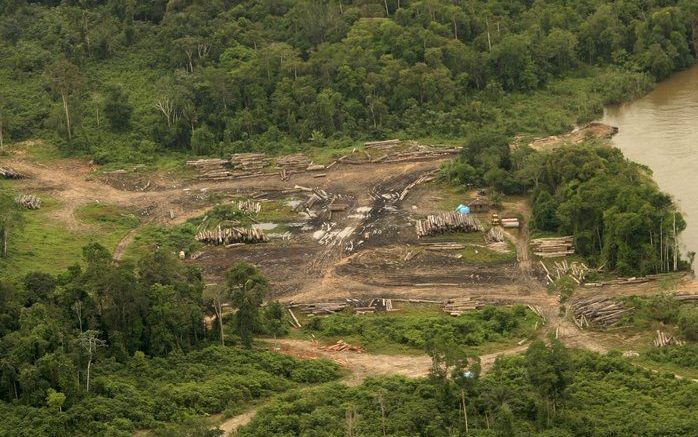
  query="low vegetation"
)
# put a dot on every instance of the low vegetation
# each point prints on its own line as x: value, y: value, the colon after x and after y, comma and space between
x: 412, y: 328
x: 547, y: 392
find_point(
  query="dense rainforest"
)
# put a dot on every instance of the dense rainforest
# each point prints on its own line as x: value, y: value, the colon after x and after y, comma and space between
x: 128, y: 81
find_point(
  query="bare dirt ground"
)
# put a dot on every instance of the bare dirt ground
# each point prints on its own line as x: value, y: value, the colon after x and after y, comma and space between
x: 368, y: 260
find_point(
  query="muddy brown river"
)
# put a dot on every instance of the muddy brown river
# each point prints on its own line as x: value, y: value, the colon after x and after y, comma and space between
x: 660, y: 130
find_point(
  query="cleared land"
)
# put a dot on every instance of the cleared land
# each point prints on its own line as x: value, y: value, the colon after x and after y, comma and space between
x: 369, y: 249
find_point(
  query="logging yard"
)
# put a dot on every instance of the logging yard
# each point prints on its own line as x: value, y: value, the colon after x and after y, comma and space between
x: 370, y: 232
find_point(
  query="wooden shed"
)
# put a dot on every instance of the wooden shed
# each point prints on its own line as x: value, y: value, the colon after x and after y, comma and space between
x: 479, y: 205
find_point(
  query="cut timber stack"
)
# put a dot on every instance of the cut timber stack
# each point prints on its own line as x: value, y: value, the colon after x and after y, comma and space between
x: 510, y: 223
x: 28, y: 201
x: 8, y: 173
x: 553, y: 247
x: 459, y: 306
x: 296, y: 163
x: 447, y: 222
x: 211, y: 169
x: 249, y: 162
x: 227, y: 236
x: 495, y: 234
x: 363, y: 306
x: 321, y: 308
x: 600, y: 311
x: 664, y: 340
x: 382, y: 145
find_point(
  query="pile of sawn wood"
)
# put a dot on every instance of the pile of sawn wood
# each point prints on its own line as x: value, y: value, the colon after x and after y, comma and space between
x: 232, y: 235
x: 447, y: 222
x: 600, y: 311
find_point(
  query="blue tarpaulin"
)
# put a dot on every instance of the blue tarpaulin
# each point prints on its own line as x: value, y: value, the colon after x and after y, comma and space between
x: 463, y: 209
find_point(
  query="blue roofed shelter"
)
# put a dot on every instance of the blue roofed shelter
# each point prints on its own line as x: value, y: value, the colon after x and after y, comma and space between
x: 462, y: 209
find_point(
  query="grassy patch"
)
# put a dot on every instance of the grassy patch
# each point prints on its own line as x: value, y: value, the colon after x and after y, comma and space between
x: 174, y: 238
x: 46, y: 243
x: 108, y: 216
x: 408, y: 330
x: 477, y: 253
x: 681, y: 360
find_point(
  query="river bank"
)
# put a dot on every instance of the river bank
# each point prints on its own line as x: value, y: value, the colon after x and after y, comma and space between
x: 660, y: 130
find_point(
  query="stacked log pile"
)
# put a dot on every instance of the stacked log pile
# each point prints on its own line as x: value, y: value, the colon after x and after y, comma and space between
x: 227, y: 236
x: 211, y: 169
x: 600, y: 311
x: 553, y: 247
x: 249, y: 162
x: 382, y: 145
x: 341, y: 346
x: 664, y: 340
x: 364, y: 306
x: 626, y: 281
x: 447, y: 222
x: 8, y: 173
x: 510, y: 223
x: 386, y: 154
x: 459, y: 306
x: 28, y: 201
x: 321, y: 308
x: 495, y: 234
x: 296, y: 163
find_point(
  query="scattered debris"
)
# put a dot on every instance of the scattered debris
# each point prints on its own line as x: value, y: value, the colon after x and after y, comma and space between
x: 28, y: 201
x: 664, y: 340
x: 249, y: 206
x: 8, y: 173
x: 382, y: 144
x: 593, y: 129
x: 576, y: 270
x: 341, y: 346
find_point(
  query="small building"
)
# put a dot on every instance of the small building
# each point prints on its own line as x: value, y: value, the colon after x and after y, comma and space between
x: 479, y: 205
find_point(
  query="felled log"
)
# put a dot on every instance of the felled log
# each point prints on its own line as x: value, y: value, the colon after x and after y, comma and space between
x: 380, y: 144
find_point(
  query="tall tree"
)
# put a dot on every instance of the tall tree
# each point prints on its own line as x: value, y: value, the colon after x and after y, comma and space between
x: 89, y: 342
x: 64, y: 79
x: 247, y: 287
x: 10, y: 217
